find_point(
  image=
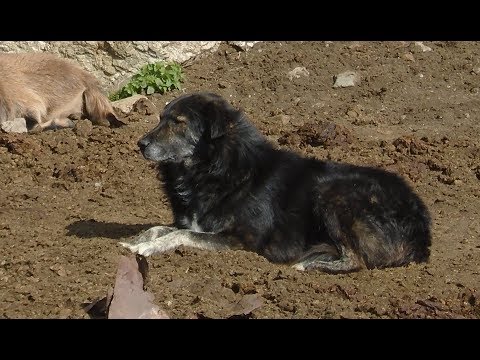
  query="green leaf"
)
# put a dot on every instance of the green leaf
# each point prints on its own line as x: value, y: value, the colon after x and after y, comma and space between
x: 155, y: 77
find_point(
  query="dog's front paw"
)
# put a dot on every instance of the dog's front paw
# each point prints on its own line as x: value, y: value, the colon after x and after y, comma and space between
x: 143, y: 248
x: 149, y: 235
x: 156, y: 240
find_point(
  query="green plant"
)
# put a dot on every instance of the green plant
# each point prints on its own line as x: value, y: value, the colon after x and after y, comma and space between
x: 159, y: 77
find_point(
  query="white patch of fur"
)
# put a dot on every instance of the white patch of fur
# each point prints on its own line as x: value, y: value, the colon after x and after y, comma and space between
x: 192, y: 224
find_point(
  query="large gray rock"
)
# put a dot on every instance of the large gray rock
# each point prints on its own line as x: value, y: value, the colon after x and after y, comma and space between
x: 114, y: 62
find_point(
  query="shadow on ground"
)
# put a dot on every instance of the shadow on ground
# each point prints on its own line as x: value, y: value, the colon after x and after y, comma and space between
x: 93, y: 229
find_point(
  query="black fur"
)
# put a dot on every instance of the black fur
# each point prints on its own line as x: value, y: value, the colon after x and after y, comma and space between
x: 221, y: 174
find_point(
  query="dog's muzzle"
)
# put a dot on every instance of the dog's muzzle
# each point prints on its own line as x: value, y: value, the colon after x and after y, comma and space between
x: 143, y: 143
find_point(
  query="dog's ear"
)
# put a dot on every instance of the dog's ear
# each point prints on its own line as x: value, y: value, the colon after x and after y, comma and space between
x: 219, y: 116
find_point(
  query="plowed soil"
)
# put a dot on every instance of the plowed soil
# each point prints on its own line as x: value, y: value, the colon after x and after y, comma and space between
x: 69, y: 196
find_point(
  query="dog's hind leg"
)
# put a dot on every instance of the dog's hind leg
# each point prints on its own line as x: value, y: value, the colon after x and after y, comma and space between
x: 161, y: 239
x: 326, y: 262
x: 335, y: 257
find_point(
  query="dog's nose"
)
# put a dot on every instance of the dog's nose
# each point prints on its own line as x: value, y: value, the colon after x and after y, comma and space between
x: 143, y: 143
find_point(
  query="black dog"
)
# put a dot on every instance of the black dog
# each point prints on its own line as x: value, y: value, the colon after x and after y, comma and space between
x: 230, y: 189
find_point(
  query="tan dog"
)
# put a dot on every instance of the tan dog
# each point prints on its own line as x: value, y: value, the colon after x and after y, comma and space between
x: 48, y: 91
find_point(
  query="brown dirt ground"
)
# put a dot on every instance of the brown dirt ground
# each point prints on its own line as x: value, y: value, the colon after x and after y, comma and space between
x: 68, y: 197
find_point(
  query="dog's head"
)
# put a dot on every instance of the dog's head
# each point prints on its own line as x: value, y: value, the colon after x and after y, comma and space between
x: 188, y: 125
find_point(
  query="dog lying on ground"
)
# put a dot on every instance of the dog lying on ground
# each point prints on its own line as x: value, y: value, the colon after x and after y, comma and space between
x: 48, y: 91
x: 230, y: 189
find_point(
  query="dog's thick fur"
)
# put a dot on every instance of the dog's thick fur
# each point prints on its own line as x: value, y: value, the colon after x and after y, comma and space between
x: 48, y: 91
x: 230, y: 189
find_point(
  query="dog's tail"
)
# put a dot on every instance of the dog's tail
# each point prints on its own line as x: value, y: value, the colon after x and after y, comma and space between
x: 98, y: 108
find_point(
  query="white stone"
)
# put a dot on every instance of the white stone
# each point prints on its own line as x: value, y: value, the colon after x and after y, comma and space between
x: 244, y: 45
x: 17, y: 125
x: 422, y: 46
x: 297, y: 72
x: 346, y: 79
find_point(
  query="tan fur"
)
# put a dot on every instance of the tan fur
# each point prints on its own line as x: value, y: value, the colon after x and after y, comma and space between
x: 48, y: 90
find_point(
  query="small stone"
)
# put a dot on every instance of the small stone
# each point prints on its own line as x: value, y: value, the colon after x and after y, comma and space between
x: 284, y: 119
x: 457, y: 182
x: 144, y: 107
x: 125, y: 106
x: 408, y: 56
x: 352, y: 113
x: 17, y: 125
x: 346, y: 79
x: 297, y: 72
x: 476, y: 70
x: 422, y: 46
x: 243, y: 45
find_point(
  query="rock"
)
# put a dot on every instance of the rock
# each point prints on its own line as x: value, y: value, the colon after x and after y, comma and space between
x: 129, y: 300
x: 352, y: 113
x: 476, y: 71
x: 83, y: 128
x: 346, y: 79
x: 243, y: 45
x: 408, y: 56
x: 125, y: 106
x: 423, y: 47
x: 145, y: 107
x: 297, y: 72
x: 17, y: 125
